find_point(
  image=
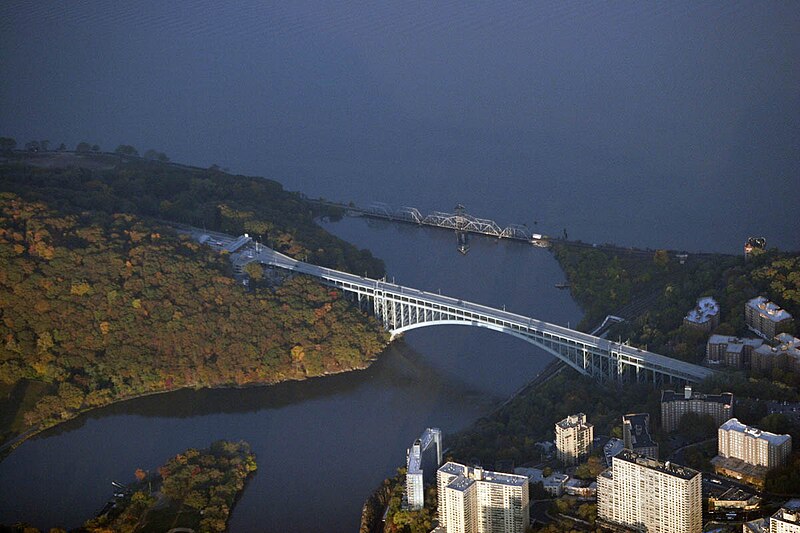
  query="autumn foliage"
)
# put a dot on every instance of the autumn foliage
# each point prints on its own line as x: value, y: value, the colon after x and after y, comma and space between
x: 105, y: 307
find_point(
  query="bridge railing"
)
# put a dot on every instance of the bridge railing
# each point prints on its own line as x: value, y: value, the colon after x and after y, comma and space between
x: 470, y: 312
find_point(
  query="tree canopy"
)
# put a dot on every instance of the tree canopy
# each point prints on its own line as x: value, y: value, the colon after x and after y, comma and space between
x: 103, y: 307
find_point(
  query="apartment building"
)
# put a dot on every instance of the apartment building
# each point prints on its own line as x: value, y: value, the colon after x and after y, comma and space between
x: 641, y: 494
x: 765, y: 318
x: 747, y: 453
x: 474, y: 500
x: 705, y: 315
x: 674, y: 405
x: 731, y: 351
x: 574, y: 437
x: 785, y: 355
x: 786, y: 519
x: 422, y: 460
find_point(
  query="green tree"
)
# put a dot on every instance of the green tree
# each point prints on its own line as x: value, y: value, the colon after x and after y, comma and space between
x: 775, y: 423
x: 83, y: 146
x: 254, y: 270
x: 7, y: 144
x: 661, y: 258
x: 126, y: 149
x: 156, y: 156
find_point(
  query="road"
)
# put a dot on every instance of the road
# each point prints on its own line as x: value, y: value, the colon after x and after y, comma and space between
x: 477, y: 313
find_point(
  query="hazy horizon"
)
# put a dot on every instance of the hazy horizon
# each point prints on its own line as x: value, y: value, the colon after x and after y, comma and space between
x: 671, y: 125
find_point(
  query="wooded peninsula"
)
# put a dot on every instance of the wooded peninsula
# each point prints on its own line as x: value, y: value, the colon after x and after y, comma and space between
x: 100, y: 300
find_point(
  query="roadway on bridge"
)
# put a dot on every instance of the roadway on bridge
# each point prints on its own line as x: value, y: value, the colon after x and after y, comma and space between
x: 689, y: 371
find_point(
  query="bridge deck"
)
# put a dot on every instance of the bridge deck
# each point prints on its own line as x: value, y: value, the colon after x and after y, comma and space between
x: 468, y: 311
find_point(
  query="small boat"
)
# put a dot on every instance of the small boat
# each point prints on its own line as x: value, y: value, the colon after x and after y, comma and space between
x: 463, y: 242
x: 562, y: 285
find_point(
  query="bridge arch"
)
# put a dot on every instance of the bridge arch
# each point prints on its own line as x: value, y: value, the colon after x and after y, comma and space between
x: 493, y: 327
x: 402, y: 309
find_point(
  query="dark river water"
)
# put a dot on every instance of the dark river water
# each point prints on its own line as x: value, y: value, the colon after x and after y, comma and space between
x: 325, y: 444
x: 656, y: 124
x: 671, y: 124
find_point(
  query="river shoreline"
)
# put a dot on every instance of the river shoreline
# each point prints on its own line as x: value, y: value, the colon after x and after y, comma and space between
x: 375, y: 505
x: 447, y: 385
x: 7, y: 447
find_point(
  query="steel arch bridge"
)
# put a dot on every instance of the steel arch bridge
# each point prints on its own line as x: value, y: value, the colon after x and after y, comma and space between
x: 402, y: 309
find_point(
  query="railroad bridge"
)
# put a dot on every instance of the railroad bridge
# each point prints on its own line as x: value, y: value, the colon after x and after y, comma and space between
x: 402, y: 309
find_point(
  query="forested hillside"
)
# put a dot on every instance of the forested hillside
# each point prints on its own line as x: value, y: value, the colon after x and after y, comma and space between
x: 605, y: 281
x: 102, y: 306
x: 204, y: 198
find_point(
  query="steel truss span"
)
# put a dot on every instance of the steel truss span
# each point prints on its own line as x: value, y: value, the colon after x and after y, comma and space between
x: 459, y: 221
x: 402, y: 309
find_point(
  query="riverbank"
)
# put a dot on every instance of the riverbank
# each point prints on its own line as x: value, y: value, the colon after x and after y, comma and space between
x: 384, y: 502
x: 195, y: 490
x: 104, y: 309
x: 12, y: 443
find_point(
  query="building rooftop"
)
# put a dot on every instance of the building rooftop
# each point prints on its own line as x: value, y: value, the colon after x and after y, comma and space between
x: 776, y: 351
x: 534, y: 475
x: 707, y: 307
x: 453, y: 468
x: 734, y: 425
x: 414, y: 461
x: 726, y: 339
x: 792, y: 505
x: 683, y: 472
x: 640, y: 434
x: 414, y: 456
x: 756, y: 526
x: 785, y: 338
x: 734, y: 348
x: 787, y: 345
x: 557, y: 478
x: 789, y: 512
x: 734, y: 494
x: 612, y: 448
x: 461, y: 483
x: 572, y: 421
x: 673, y: 396
x: 428, y: 436
x: 479, y: 474
x: 768, y: 309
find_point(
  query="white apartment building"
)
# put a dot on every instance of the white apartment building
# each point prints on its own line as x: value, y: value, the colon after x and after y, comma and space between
x: 764, y: 318
x: 705, y: 316
x: 753, y: 446
x: 787, y: 519
x: 422, y: 460
x: 643, y: 494
x: 574, y: 439
x: 474, y: 500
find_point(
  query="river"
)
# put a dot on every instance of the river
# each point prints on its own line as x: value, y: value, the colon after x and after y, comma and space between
x: 665, y: 124
x: 322, y: 445
x: 669, y: 124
